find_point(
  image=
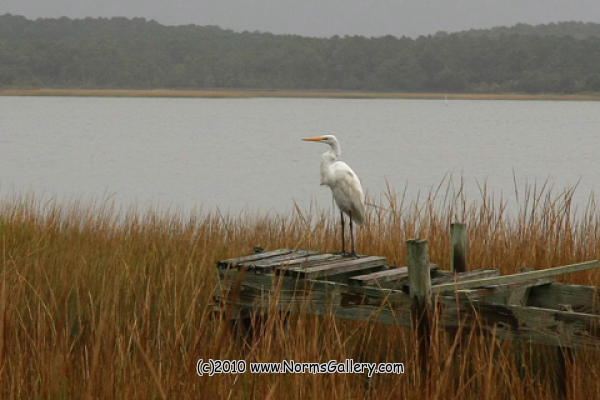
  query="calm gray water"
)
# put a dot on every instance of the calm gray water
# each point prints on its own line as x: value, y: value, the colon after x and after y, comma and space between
x: 246, y: 154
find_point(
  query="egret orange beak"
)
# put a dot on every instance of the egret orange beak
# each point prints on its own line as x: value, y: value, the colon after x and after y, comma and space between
x: 314, y: 139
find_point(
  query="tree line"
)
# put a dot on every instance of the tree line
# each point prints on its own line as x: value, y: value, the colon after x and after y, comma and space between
x: 141, y: 54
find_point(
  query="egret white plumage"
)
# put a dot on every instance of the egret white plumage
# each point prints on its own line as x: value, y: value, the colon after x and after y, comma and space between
x: 344, y: 184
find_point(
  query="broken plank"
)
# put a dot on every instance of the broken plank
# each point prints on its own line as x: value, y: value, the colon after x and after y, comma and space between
x: 389, y: 275
x: 335, y: 268
x: 514, y: 278
x: 253, y: 257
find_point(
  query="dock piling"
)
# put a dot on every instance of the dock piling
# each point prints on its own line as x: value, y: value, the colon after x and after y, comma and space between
x: 458, y: 247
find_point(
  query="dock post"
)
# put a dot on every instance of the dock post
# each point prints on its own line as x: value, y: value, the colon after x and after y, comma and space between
x: 458, y: 247
x: 419, y: 280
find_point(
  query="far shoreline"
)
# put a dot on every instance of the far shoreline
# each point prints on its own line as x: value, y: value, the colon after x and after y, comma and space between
x: 275, y: 93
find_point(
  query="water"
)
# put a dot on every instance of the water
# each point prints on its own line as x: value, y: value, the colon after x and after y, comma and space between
x: 246, y: 154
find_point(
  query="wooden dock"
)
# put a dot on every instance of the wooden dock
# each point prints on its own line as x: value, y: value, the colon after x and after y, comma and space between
x: 528, y: 305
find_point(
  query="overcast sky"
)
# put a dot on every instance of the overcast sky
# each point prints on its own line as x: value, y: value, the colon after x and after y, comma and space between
x: 322, y: 17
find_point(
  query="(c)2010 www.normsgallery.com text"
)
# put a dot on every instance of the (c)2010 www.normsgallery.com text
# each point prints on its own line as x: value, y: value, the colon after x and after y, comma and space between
x: 213, y: 367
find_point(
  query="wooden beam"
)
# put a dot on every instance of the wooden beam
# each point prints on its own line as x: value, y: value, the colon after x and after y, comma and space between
x: 458, y: 247
x: 514, y: 278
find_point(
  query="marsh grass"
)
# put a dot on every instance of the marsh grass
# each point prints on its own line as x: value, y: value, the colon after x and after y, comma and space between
x: 96, y: 303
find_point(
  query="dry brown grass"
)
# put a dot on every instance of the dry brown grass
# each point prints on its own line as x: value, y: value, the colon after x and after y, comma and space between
x: 342, y: 94
x: 98, y: 304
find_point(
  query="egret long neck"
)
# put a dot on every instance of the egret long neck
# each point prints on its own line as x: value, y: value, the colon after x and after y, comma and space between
x: 326, y: 160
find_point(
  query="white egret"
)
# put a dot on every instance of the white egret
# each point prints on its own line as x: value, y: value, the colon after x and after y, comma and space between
x: 344, y: 184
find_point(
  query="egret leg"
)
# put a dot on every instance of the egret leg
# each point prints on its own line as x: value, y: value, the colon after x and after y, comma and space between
x: 343, y: 241
x: 352, y: 235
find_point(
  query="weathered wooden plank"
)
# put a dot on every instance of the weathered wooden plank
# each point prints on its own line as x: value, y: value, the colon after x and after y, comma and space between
x: 458, y: 247
x: 335, y: 268
x: 535, y: 325
x: 388, y: 275
x: 511, y: 293
x: 463, y: 276
x: 278, y: 260
x: 305, y: 261
x: 253, y: 257
x: 514, y: 278
x: 583, y: 299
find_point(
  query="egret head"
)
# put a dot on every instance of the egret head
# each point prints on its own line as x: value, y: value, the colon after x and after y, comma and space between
x: 335, y: 150
x: 328, y: 139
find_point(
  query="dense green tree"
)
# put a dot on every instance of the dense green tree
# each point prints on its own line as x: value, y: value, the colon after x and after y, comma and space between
x: 136, y: 53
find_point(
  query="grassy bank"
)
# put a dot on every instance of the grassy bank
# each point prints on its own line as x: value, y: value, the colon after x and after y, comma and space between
x: 227, y: 93
x: 98, y: 304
